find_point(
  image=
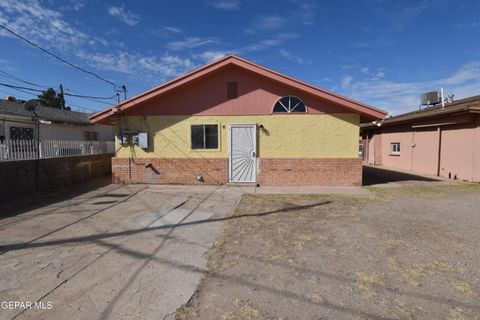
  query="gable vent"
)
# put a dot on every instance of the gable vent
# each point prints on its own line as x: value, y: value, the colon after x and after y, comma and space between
x: 232, y: 89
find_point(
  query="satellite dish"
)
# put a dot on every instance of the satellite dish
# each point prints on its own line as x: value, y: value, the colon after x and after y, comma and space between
x: 30, y: 105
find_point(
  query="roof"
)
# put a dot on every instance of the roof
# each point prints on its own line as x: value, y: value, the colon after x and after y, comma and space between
x: 366, y: 111
x: 45, y: 113
x: 467, y: 105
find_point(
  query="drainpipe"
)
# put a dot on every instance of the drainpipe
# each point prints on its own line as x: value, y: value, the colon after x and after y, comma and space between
x: 439, y: 131
x: 413, y: 150
x: 367, y: 148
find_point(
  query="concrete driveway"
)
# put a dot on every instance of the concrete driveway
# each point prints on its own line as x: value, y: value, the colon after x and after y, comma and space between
x: 116, y: 252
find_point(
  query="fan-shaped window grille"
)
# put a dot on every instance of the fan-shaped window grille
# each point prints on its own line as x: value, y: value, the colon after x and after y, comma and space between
x: 290, y: 104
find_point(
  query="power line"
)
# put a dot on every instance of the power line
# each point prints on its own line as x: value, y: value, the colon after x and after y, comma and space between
x: 93, y: 98
x: 32, y: 94
x: 89, y: 97
x: 101, y: 102
x: 11, y: 76
x: 78, y: 107
x: 23, y: 89
x: 26, y: 92
x: 19, y: 87
x: 78, y: 95
x: 59, y: 58
x: 16, y: 95
x: 97, y: 101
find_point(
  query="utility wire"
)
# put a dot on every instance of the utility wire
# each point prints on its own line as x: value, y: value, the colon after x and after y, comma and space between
x: 16, y: 95
x: 78, y: 95
x: 24, y: 90
x: 101, y: 102
x: 92, y: 98
x: 19, y: 87
x: 98, y: 101
x: 32, y: 94
x: 11, y: 76
x: 85, y: 108
x: 88, y: 97
x: 59, y: 58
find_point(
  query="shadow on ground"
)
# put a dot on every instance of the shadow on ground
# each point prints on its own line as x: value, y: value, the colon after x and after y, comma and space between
x: 27, y: 202
x: 396, y: 257
x: 376, y: 175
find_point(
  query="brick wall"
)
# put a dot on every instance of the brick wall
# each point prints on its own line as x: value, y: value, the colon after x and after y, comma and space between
x: 342, y: 172
x: 328, y: 172
x: 169, y: 170
x: 18, y: 177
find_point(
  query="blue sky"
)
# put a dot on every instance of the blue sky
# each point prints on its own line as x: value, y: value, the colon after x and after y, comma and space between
x: 381, y: 52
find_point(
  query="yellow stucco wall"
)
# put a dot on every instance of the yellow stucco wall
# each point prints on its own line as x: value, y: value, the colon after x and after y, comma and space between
x: 288, y: 136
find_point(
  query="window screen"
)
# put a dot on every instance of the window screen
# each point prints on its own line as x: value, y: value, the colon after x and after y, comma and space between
x: 204, y: 136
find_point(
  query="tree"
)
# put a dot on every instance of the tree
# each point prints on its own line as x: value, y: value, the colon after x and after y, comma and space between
x: 51, y: 99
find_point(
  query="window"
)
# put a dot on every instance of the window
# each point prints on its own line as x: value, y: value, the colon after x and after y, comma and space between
x: 204, y: 136
x: 232, y: 90
x: 289, y: 104
x: 395, y: 148
x: 91, y: 136
x: 19, y: 133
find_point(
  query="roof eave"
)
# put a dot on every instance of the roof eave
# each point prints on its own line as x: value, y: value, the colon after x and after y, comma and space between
x: 366, y: 111
x: 366, y: 126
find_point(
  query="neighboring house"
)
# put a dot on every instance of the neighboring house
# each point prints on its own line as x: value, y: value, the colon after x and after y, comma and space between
x: 435, y: 141
x: 16, y: 123
x: 233, y: 121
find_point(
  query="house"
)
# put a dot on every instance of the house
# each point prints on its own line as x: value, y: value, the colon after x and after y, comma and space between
x: 439, y: 141
x: 16, y: 123
x: 234, y: 121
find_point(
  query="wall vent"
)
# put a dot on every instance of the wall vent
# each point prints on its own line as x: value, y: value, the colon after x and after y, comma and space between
x: 232, y: 89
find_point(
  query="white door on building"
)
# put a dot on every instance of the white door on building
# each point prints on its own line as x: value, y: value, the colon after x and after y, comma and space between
x: 242, y: 157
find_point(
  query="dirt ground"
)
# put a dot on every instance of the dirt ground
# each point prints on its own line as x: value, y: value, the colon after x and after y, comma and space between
x: 409, y: 252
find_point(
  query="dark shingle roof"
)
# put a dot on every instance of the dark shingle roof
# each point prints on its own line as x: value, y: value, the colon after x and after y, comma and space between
x: 45, y: 113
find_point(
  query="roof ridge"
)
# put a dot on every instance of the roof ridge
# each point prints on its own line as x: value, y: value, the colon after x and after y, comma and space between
x: 273, y: 75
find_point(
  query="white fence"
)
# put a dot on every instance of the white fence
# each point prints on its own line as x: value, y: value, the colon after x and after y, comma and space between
x: 12, y: 150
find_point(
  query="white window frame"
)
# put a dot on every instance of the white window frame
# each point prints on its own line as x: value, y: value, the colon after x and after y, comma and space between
x: 393, y: 148
x: 204, y: 142
x: 289, y: 110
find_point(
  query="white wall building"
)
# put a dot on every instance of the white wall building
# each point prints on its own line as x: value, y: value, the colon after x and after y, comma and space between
x: 16, y: 123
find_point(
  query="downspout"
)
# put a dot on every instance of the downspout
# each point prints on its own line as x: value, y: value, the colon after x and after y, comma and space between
x: 439, y: 131
x: 413, y: 149
x: 367, y: 148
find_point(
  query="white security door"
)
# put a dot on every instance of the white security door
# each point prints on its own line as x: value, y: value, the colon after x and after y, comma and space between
x: 242, y: 160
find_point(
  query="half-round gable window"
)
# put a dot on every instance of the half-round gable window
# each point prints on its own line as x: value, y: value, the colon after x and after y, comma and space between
x: 289, y: 104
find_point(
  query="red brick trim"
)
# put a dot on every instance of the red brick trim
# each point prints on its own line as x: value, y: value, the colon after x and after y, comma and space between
x: 271, y: 171
x: 324, y: 172
x: 169, y: 170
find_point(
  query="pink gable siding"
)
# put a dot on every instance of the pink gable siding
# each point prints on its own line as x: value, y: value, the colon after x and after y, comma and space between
x: 208, y: 96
